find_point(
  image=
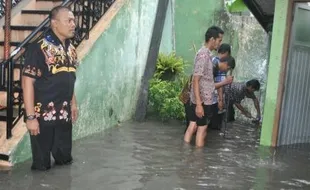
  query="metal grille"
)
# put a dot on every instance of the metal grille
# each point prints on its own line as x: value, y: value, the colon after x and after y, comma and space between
x: 2, y: 6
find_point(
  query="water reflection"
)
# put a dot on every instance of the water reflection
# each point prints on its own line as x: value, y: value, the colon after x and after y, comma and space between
x: 152, y: 156
x: 22, y: 177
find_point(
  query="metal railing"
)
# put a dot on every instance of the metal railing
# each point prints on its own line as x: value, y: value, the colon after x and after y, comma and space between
x: 2, y: 6
x: 87, y: 13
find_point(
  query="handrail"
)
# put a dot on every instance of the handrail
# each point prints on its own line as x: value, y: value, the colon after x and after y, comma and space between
x: 36, y: 31
x: 25, y: 42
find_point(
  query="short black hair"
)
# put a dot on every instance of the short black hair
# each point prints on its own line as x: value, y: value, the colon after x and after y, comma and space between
x: 224, y: 48
x: 254, y: 84
x: 213, y: 31
x: 230, y: 61
x: 56, y: 10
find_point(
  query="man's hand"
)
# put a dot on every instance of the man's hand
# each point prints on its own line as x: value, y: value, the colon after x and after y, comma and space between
x: 33, y: 127
x: 74, y: 113
x: 247, y: 114
x: 229, y: 79
x: 199, y: 111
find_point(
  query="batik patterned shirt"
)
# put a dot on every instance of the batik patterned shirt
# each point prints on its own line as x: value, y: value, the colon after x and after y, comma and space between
x: 53, y: 67
x: 203, y: 67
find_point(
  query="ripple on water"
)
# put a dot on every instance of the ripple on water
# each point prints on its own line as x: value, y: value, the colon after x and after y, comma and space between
x: 302, y: 181
x: 225, y: 149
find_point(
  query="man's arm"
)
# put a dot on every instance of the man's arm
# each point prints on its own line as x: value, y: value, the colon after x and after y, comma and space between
x: 73, y: 101
x: 199, y: 109
x: 33, y: 70
x: 28, y: 95
x: 220, y: 99
x: 256, y: 104
x: 227, y: 81
x: 196, y: 89
x: 220, y: 93
x: 199, y: 66
x: 243, y: 111
x: 74, y: 109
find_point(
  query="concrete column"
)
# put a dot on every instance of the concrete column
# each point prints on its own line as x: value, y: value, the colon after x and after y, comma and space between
x: 276, y: 60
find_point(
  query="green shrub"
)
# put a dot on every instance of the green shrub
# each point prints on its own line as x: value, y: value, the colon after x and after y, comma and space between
x: 165, y: 87
x: 172, y: 108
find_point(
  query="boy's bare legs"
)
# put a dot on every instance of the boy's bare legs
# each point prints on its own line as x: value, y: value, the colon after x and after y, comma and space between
x: 191, y: 129
x: 201, y: 135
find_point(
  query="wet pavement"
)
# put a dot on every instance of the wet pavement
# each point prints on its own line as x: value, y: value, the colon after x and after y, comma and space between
x: 152, y: 156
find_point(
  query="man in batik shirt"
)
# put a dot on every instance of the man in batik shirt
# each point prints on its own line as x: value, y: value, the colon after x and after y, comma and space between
x: 203, y: 86
x: 48, y: 87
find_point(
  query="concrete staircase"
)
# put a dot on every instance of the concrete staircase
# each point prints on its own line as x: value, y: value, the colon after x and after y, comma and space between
x: 26, y: 19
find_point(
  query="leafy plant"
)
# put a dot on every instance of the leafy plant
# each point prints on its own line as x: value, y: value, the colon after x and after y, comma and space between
x: 168, y: 66
x: 172, y: 108
x: 166, y: 86
x: 163, y: 97
x: 159, y: 91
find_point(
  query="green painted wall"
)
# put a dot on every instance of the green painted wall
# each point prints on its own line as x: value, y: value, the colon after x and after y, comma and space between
x: 109, y: 77
x: 192, y: 19
x: 110, y: 74
x: 275, y: 61
x: 167, y: 44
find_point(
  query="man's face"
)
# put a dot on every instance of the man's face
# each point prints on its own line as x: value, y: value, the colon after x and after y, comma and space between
x: 64, y: 24
x: 250, y: 89
x: 224, y: 67
x: 218, y: 41
x: 222, y: 55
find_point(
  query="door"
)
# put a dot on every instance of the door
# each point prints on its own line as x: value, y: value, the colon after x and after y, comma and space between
x: 295, y: 113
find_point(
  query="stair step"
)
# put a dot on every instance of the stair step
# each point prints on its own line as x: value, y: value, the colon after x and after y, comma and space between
x: 4, y: 157
x: 2, y: 108
x: 46, y: 5
x: 11, y: 43
x: 5, y: 165
x: 17, y: 66
x: 3, y: 118
x: 15, y: 89
x: 22, y: 27
x: 17, y: 35
x: 3, y: 113
x: 45, y: 12
x: 51, y: 0
x: 40, y: 12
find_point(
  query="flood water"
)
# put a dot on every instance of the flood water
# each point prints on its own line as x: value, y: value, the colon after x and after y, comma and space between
x: 152, y: 156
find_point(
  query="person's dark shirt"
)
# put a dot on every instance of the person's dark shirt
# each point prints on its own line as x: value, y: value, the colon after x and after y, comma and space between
x: 236, y: 92
x: 53, y: 66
